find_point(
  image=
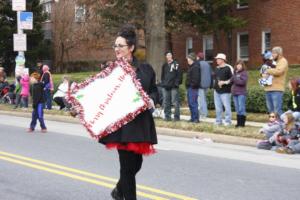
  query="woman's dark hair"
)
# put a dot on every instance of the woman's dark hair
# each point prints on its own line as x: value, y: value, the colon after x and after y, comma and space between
x: 128, y: 32
x: 240, y: 62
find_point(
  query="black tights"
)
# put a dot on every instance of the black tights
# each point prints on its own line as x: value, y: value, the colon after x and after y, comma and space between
x: 130, y: 164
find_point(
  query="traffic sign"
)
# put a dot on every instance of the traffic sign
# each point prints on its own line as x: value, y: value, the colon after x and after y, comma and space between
x: 26, y: 20
x: 20, y: 43
x: 19, y: 5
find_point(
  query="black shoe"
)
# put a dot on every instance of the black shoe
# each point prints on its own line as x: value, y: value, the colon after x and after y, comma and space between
x: 115, y: 194
x: 176, y: 119
x: 238, y: 121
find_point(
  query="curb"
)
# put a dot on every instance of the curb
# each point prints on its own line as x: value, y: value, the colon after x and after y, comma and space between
x: 227, y: 139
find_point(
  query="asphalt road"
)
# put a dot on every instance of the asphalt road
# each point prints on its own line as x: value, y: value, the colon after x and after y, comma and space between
x: 65, y: 164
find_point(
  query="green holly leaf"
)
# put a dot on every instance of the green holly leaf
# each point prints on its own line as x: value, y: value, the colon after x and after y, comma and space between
x: 137, y: 97
x: 79, y: 96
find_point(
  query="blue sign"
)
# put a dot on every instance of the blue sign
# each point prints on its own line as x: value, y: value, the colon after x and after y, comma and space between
x: 26, y: 19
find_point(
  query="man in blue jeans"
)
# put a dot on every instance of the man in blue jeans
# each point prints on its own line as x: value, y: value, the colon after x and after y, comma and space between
x: 192, y: 85
x: 171, y: 78
x: 205, y: 84
x: 274, y: 92
x: 222, y: 92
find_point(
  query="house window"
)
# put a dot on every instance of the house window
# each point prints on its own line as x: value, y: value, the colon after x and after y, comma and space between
x: 266, y: 41
x: 80, y: 13
x: 243, y: 46
x: 189, y: 45
x: 208, y: 47
x: 47, y: 10
x: 242, y: 4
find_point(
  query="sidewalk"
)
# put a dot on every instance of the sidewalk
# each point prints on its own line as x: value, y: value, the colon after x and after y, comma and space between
x: 202, y: 137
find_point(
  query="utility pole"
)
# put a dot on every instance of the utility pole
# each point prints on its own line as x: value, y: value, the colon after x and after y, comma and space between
x: 24, y: 21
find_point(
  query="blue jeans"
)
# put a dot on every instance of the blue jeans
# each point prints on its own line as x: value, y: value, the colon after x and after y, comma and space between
x: 171, y: 97
x: 202, y: 102
x: 24, y: 102
x: 192, y: 97
x: 240, y: 104
x: 221, y: 100
x: 48, y: 99
x: 38, y: 114
x: 274, y: 101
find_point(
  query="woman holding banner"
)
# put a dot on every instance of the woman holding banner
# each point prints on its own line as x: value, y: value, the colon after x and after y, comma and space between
x: 136, y: 138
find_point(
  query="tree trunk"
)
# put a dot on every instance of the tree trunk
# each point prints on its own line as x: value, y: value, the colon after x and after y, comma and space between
x: 155, y: 34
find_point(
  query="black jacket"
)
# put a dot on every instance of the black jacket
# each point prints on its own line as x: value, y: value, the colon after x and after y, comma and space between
x: 142, y: 128
x: 171, y: 76
x: 193, y: 76
x: 37, y: 94
x: 223, y: 74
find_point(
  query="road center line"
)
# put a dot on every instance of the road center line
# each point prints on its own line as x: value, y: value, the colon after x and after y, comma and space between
x: 5, y: 156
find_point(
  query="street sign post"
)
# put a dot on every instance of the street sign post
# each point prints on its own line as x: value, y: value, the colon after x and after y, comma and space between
x: 20, y: 43
x: 26, y: 20
x: 19, y: 5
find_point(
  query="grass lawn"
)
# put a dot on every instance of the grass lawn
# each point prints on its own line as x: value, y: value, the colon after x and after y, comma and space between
x: 248, y: 132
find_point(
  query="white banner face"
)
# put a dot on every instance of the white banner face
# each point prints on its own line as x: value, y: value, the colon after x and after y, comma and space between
x: 19, y: 5
x: 109, y: 100
x: 20, y: 42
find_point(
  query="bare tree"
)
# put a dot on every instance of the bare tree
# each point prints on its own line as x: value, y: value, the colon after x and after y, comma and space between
x: 72, y: 29
x: 155, y: 34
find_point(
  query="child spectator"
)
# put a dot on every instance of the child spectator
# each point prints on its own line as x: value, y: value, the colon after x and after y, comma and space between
x: 294, y: 101
x: 268, y: 63
x: 25, y: 84
x: 273, y: 126
x: 18, y: 91
x: 37, y: 103
x: 289, y: 136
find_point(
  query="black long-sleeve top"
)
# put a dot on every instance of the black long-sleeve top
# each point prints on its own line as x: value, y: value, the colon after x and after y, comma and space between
x: 171, y: 76
x: 223, y: 74
x: 37, y: 94
x: 193, y: 76
x: 142, y: 128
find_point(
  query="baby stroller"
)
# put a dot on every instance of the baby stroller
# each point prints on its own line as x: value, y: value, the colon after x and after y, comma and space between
x: 6, y: 93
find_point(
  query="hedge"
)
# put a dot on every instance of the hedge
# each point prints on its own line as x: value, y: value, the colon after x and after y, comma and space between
x: 255, y: 102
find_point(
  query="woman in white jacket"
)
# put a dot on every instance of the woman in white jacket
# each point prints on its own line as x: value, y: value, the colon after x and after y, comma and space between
x: 59, y: 96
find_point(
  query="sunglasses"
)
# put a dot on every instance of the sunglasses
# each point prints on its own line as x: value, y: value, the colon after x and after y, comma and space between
x: 119, y: 46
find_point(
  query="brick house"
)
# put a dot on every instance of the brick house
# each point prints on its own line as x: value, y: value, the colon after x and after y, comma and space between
x: 270, y: 23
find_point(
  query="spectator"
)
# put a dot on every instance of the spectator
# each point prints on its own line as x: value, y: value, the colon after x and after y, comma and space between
x: 17, y: 92
x: 25, y: 86
x: 273, y: 126
x: 39, y: 67
x: 48, y: 86
x: 274, y: 92
x: 59, y: 96
x: 294, y: 101
x: 2, y: 74
x: 222, y: 92
x: 170, y: 80
x: 239, y: 91
x: 192, y: 85
x: 205, y: 83
x: 290, y: 133
x: 268, y: 63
